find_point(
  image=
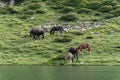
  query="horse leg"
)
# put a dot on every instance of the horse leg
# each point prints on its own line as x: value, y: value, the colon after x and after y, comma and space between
x: 53, y: 32
x: 38, y: 36
x: 89, y: 49
x: 30, y: 34
x: 43, y: 36
x: 76, y: 56
x: 33, y: 36
x: 70, y: 60
x: 81, y: 51
x: 60, y: 31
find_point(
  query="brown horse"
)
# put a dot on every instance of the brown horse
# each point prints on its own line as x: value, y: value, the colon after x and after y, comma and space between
x: 84, y: 46
x: 35, y: 33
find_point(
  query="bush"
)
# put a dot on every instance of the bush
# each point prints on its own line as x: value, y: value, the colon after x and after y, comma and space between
x: 98, y: 14
x: 78, y: 33
x: 57, y: 7
x: 116, y: 7
x: 69, y: 17
x: 108, y: 16
x: 116, y: 12
x: 94, y: 5
x: 89, y: 37
x: 30, y: 12
x: 59, y: 57
x: 34, y: 6
x: 105, y: 8
x: 84, y: 10
x: 109, y: 2
x: 64, y: 38
x: 3, y: 11
x: 67, y: 9
x: 24, y: 16
x: 13, y: 10
x: 41, y: 11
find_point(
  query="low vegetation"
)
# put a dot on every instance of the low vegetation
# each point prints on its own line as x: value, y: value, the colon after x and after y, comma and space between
x: 18, y: 48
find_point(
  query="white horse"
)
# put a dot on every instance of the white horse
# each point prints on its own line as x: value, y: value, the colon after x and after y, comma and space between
x: 70, y: 57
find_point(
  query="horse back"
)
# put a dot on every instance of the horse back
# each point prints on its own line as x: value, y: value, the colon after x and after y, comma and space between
x: 84, y: 45
x: 72, y: 50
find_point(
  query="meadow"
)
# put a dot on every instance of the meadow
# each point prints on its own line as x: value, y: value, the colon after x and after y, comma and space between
x: 18, y: 48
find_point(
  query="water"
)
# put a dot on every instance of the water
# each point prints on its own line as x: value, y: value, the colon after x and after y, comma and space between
x: 59, y: 73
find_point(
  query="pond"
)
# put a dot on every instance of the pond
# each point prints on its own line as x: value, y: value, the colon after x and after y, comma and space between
x: 59, y: 72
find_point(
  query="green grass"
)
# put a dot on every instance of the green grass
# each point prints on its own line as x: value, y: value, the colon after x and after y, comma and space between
x: 17, y: 48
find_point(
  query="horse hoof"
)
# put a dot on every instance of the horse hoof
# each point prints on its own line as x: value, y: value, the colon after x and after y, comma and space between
x: 81, y: 62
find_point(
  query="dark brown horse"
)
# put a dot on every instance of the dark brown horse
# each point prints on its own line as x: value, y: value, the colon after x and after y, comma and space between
x: 84, y: 46
x: 56, y: 28
x: 73, y: 51
x: 35, y: 33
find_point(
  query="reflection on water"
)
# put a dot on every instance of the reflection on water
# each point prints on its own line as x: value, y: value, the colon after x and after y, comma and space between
x: 59, y: 73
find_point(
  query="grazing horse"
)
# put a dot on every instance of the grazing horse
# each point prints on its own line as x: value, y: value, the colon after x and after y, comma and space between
x: 70, y: 57
x: 73, y: 51
x: 84, y: 46
x: 35, y: 33
x: 56, y: 28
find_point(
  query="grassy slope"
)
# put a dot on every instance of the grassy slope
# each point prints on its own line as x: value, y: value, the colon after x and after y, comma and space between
x: 17, y: 48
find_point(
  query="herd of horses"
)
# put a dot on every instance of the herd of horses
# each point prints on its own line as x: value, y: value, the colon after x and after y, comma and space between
x: 72, y: 52
x: 35, y: 33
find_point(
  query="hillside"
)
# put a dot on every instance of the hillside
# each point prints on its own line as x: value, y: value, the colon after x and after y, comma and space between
x: 18, y: 48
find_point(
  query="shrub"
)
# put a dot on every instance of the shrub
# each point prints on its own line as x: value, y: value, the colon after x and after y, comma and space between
x: 79, y: 33
x: 105, y: 8
x: 59, y: 57
x: 3, y: 11
x: 109, y: 2
x: 69, y: 17
x: 116, y: 7
x: 89, y: 37
x: 34, y: 6
x: 84, y: 10
x: 94, y: 5
x: 108, y: 16
x: 116, y: 12
x: 67, y: 9
x: 41, y: 11
x: 64, y: 38
x: 57, y: 7
x: 30, y: 12
x: 98, y: 13
x: 13, y: 10
x: 24, y: 9
x: 24, y: 16
x: 117, y: 46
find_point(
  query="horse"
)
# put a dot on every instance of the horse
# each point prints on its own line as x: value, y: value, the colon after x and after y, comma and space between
x: 70, y: 57
x: 84, y: 46
x: 56, y: 28
x: 74, y: 52
x: 35, y: 33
